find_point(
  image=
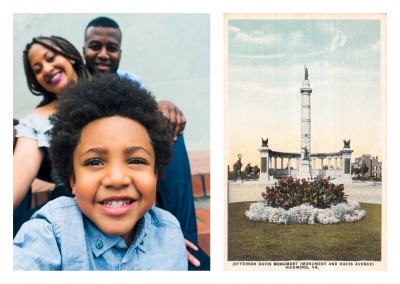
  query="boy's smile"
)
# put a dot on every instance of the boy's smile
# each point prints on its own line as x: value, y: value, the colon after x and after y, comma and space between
x: 114, y: 179
x: 117, y: 205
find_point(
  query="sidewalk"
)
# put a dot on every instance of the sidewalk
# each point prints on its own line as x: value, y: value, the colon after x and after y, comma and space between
x: 251, y: 191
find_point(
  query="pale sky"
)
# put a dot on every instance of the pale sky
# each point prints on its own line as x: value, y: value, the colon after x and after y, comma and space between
x: 266, y: 60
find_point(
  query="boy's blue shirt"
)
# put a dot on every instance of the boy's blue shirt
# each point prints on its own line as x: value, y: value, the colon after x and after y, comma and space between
x: 60, y: 237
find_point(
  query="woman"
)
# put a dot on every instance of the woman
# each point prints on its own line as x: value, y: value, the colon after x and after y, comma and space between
x: 50, y: 63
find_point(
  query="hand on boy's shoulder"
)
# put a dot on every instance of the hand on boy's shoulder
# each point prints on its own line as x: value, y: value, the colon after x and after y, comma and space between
x: 174, y: 115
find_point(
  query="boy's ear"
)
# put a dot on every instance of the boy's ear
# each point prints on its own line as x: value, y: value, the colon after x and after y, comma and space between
x: 72, y: 182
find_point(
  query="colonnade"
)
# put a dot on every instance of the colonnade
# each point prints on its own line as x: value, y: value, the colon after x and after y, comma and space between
x: 281, y: 164
x: 278, y: 158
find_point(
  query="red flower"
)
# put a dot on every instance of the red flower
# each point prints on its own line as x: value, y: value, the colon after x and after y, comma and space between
x: 263, y: 194
x: 303, y: 180
x: 329, y: 177
x: 330, y: 187
x: 320, y: 179
x: 305, y: 189
x: 284, y: 188
x: 271, y: 193
x: 267, y: 188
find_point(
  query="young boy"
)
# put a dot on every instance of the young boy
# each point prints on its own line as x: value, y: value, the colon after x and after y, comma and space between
x: 110, y: 156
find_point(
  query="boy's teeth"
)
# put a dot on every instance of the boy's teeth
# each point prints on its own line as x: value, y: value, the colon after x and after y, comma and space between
x: 116, y: 203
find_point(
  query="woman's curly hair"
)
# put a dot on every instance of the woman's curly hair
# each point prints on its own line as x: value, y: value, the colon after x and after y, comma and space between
x: 105, y: 95
x: 59, y: 46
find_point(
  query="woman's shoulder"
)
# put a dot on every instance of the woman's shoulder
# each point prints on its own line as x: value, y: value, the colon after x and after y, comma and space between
x: 36, y: 121
x: 45, y: 110
x: 34, y: 126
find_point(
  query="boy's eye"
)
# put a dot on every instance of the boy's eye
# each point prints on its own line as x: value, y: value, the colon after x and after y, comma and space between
x: 94, y: 162
x: 137, y: 161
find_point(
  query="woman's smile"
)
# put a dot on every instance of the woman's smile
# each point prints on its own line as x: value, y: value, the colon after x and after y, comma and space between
x: 55, y: 78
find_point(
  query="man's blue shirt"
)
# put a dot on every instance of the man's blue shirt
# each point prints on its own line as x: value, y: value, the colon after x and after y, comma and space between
x: 131, y: 76
x: 60, y: 237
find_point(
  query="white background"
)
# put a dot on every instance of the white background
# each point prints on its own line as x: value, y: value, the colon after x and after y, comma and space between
x: 216, y: 8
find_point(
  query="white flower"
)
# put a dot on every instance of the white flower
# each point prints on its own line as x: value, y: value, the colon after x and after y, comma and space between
x: 346, y: 211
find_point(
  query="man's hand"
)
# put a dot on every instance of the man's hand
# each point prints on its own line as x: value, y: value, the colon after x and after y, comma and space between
x: 174, y: 116
x: 194, y: 261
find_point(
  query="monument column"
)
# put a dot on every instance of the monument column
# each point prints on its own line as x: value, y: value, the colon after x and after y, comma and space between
x: 305, y: 165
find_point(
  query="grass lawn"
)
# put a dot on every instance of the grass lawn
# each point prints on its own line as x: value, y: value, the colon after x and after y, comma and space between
x: 263, y: 241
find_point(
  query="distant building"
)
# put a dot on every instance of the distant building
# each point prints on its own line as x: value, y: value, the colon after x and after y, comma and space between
x: 373, y: 164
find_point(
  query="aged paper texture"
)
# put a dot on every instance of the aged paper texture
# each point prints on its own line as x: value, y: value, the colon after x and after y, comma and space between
x: 305, y: 100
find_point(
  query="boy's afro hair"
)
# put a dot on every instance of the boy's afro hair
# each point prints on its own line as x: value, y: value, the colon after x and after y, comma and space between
x: 99, y: 97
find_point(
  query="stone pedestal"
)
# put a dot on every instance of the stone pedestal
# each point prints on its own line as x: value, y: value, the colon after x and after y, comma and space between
x: 304, y: 169
x: 265, y: 164
x: 346, y: 165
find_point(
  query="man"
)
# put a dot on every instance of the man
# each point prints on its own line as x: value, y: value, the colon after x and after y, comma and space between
x: 102, y: 53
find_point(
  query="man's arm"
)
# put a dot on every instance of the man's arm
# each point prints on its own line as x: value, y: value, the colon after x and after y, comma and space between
x: 168, y: 109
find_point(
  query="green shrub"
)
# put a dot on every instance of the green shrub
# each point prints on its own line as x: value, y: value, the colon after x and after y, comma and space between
x: 288, y: 193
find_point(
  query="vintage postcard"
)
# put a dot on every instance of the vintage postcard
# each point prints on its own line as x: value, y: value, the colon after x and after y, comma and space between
x: 305, y: 142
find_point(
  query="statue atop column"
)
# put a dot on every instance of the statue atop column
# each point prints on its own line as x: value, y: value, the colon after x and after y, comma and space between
x: 305, y: 73
x: 264, y: 143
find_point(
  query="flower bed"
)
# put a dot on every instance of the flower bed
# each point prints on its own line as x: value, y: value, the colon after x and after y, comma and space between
x: 307, y: 214
x: 305, y: 201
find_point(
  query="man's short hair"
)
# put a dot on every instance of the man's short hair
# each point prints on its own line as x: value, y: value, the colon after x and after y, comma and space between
x: 102, y: 22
